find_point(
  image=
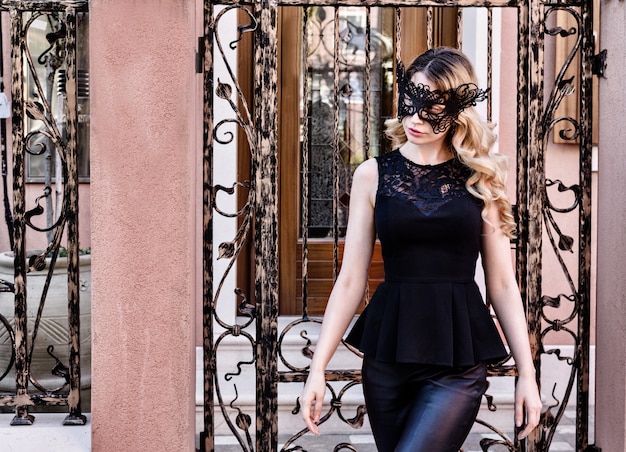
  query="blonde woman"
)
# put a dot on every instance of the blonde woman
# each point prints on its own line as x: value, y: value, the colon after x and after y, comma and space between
x: 435, y: 202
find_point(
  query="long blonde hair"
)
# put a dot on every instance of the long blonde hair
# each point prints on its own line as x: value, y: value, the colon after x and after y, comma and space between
x: 471, y: 138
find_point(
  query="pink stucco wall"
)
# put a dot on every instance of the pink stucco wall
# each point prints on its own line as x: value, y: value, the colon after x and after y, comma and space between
x: 143, y: 217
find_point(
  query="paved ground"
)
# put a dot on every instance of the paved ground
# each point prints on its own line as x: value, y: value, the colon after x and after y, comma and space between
x: 564, y: 440
x: 48, y: 435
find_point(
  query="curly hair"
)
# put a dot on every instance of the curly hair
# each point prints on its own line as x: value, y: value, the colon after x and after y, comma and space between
x: 470, y: 138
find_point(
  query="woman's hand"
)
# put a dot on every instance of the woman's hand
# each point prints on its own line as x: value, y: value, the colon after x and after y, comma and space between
x: 527, y: 398
x: 311, y: 400
x: 505, y: 298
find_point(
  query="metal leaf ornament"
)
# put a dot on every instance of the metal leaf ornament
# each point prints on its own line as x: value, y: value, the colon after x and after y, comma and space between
x: 36, y: 262
x: 226, y: 250
x: 224, y: 90
x: 566, y: 243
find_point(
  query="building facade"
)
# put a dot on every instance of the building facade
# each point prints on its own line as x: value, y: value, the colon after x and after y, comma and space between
x: 146, y: 214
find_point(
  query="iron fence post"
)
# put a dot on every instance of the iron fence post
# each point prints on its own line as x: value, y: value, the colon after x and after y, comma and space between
x: 75, y: 417
x: 207, y: 440
x: 264, y: 171
x: 584, y: 258
x: 21, y: 330
x: 536, y: 182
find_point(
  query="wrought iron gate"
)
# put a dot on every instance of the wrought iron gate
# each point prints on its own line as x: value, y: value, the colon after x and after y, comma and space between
x: 46, y: 101
x: 541, y: 205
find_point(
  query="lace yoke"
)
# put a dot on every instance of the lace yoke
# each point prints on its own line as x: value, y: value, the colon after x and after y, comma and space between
x: 428, y: 187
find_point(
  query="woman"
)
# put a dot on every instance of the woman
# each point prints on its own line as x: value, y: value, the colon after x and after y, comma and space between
x: 435, y: 202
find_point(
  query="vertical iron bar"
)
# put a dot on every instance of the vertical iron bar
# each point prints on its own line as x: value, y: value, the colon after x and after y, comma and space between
x: 8, y: 214
x: 398, y: 54
x: 584, y: 270
x: 304, y: 200
x: 21, y: 331
x: 398, y: 33
x: 368, y: 77
x: 536, y: 185
x: 368, y: 99
x: 207, y: 437
x: 430, y: 39
x: 523, y: 137
x: 75, y: 417
x: 489, y: 62
x: 459, y: 28
x: 521, y: 248
x: 336, y: 156
x: 266, y: 222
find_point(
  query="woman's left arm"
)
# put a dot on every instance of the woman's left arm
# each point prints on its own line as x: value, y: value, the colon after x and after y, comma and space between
x: 503, y: 293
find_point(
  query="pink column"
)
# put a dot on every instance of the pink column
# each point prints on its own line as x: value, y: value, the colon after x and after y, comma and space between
x: 143, y: 216
x: 610, y: 419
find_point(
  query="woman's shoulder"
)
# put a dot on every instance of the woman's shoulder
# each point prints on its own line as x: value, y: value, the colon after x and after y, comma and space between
x: 367, y: 169
x: 365, y: 180
x: 372, y: 168
x: 366, y: 173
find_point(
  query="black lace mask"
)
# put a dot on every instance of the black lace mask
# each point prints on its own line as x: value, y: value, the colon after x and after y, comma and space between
x: 439, y: 108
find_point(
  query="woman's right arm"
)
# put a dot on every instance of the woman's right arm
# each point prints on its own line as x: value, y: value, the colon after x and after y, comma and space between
x: 348, y: 290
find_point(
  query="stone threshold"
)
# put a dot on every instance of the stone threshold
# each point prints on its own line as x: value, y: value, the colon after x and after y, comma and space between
x: 47, y: 433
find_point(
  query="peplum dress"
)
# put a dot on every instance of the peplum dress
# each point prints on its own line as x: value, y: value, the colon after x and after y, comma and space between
x: 428, y: 310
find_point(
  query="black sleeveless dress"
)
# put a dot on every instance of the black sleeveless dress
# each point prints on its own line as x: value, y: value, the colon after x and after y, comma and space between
x: 428, y: 310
